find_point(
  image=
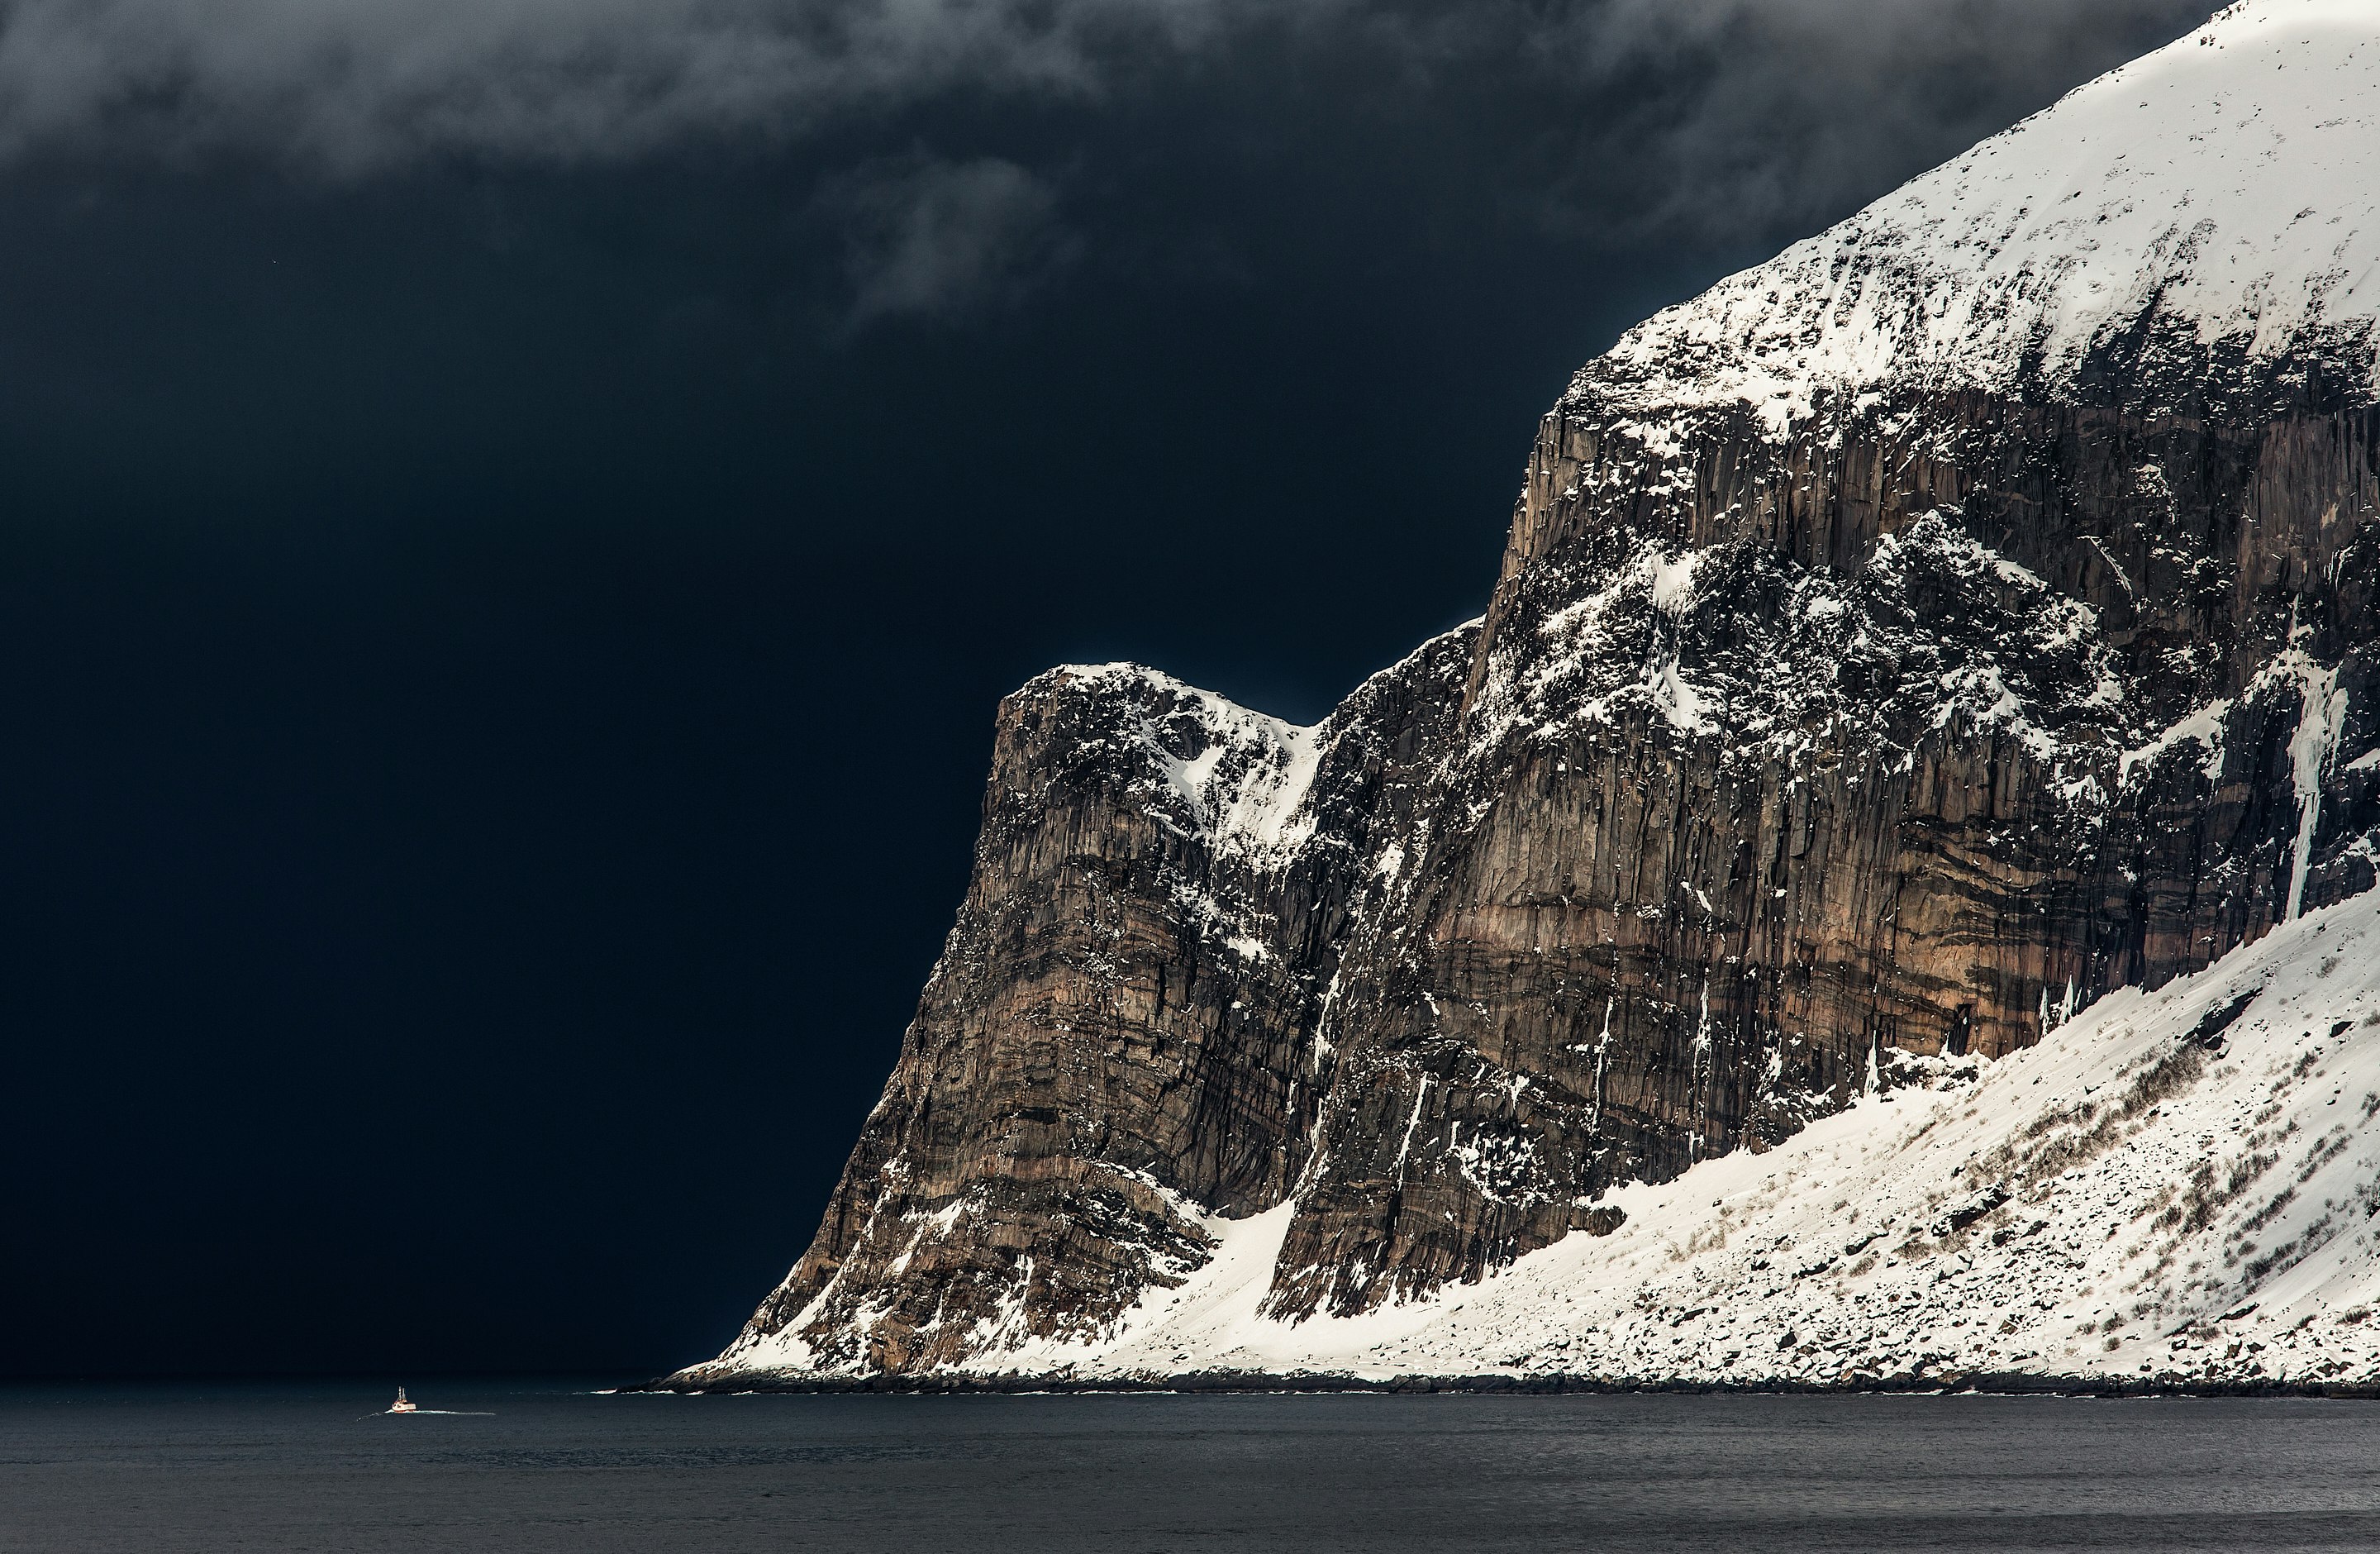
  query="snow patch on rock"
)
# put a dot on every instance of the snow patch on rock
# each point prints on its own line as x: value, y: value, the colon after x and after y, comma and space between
x: 1243, y: 775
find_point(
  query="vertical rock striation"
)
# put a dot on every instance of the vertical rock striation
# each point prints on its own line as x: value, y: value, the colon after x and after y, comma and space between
x: 1120, y: 1043
x: 1967, y: 613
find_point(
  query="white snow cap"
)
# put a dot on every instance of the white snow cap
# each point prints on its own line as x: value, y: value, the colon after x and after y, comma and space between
x: 2226, y: 181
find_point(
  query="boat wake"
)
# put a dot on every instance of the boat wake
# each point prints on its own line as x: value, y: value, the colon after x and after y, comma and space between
x: 406, y: 1405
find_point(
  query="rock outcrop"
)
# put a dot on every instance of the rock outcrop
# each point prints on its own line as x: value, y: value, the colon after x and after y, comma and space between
x: 1123, y: 1030
x: 1967, y: 614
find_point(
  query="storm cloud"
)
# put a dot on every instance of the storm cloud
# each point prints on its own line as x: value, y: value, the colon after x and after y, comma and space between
x: 352, y: 85
x: 1691, y: 111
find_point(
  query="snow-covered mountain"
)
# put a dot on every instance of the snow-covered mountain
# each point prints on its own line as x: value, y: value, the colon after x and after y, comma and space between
x: 2219, y: 198
x: 1938, y: 661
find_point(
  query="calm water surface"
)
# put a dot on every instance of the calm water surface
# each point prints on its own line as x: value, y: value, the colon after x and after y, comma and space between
x: 553, y: 1467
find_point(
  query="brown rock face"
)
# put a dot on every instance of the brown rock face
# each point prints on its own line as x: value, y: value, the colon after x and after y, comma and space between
x: 1774, y: 768
x: 1120, y: 1038
x: 1782, y: 764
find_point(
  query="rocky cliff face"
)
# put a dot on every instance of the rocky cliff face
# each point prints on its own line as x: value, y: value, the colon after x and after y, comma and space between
x: 1122, y: 1037
x: 1967, y: 614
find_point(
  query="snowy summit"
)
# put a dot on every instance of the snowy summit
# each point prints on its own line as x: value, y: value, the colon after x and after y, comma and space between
x: 2221, y: 193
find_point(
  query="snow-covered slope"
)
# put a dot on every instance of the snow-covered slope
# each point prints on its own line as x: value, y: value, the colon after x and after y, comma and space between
x: 2224, y: 191
x: 2175, y: 1184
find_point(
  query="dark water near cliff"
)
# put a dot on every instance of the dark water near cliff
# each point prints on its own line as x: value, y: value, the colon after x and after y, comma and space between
x: 161, y: 1469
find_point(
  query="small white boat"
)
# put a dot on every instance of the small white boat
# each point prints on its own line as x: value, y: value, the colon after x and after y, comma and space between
x: 402, y: 1405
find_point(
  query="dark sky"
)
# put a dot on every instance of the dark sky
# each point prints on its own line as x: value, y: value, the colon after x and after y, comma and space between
x: 515, y: 515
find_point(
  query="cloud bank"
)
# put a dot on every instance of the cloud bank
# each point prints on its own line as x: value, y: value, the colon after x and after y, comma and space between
x: 1725, y: 121
x: 356, y: 85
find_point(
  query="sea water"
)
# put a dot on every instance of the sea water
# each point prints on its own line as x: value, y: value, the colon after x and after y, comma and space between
x: 558, y: 1466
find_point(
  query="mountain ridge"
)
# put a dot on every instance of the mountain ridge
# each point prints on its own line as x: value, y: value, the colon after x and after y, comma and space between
x: 1821, y: 727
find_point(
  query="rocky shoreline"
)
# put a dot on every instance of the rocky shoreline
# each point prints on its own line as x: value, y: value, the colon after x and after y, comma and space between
x: 1993, y: 1383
